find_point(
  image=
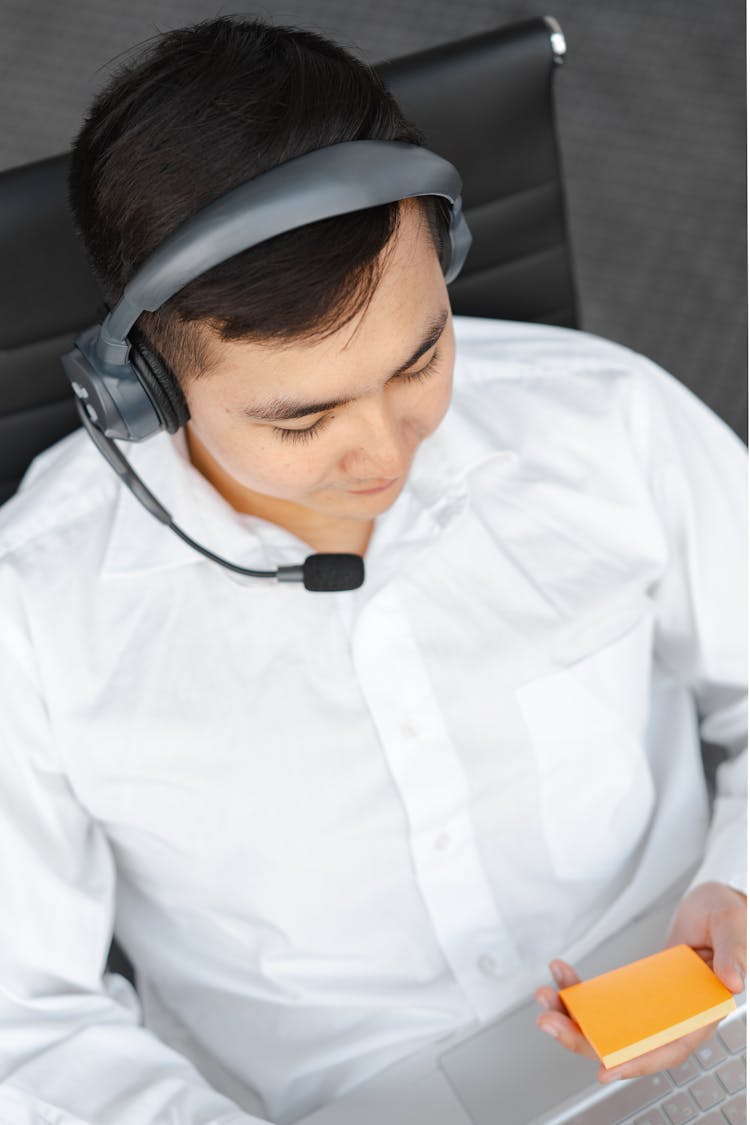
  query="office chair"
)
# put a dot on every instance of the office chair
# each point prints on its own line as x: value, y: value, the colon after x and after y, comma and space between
x: 484, y: 103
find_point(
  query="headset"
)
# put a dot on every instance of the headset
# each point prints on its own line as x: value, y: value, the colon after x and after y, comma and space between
x: 125, y: 392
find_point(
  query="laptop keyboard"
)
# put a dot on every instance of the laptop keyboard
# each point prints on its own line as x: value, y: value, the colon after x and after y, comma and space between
x: 709, y: 1088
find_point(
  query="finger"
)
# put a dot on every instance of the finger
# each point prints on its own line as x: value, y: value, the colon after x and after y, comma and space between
x: 728, y: 928
x: 663, y: 1058
x: 547, y: 997
x: 705, y: 954
x: 563, y: 974
x: 566, y: 1032
x: 549, y: 1000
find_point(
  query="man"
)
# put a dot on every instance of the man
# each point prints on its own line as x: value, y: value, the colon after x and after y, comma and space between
x: 328, y: 829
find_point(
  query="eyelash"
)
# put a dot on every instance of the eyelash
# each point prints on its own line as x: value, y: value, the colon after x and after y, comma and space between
x: 312, y: 431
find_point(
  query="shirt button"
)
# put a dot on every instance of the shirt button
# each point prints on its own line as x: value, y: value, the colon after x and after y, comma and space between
x: 410, y: 728
x: 487, y: 964
x: 443, y: 841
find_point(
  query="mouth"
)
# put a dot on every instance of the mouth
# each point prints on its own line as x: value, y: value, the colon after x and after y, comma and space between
x: 373, y: 491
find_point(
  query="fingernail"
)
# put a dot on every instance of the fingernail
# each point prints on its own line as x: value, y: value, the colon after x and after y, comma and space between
x: 739, y: 972
x: 550, y: 1031
x: 545, y: 1001
x: 557, y: 973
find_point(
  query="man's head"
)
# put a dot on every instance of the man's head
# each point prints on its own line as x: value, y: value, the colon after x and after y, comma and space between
x: 321, y: 423
x: 208, y: 108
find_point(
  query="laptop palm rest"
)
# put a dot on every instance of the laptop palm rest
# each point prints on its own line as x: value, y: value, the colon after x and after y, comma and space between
x: 510, y: 1071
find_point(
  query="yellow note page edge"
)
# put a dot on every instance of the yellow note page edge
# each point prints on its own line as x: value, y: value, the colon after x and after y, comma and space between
x: 676, y: 1031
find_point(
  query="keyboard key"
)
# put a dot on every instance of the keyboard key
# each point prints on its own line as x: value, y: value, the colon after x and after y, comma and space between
x: 733, y: 1035
x: 714, y: 1118
x: 706, y: 1091
x: 680, y: 1108
x: 736, y: 1110
x: 656, y: 1117
x: 732, y: 1075
x: 626, y: 1100
x: 684, y: 1072
x: 710, y: 1053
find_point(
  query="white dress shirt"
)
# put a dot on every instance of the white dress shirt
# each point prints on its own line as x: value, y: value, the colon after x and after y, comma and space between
x: 329, y: 828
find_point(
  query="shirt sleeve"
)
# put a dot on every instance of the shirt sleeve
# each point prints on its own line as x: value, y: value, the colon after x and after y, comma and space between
x: 72, y: 1045
x: 699, y: 486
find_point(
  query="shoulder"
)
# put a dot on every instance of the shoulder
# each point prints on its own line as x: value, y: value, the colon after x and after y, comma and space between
x: 504, y: 351
x: 63, y: 506
x: 519, y: 378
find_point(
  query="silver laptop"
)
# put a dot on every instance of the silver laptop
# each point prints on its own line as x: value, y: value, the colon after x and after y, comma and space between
x: 509, y: 1073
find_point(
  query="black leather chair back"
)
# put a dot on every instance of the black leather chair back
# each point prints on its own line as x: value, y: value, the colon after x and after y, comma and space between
x: 485, y: 103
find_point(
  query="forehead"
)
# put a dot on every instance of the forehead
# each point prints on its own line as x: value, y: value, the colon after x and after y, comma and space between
x: 410, y: 293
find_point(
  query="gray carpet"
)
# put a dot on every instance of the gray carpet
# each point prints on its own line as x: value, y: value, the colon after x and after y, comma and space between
x: 651, y: 106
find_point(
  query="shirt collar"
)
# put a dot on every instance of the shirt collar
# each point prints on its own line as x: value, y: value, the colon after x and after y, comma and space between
x: 139, y: 543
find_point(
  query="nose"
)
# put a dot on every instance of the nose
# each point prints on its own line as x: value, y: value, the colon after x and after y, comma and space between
x: 380, y: 454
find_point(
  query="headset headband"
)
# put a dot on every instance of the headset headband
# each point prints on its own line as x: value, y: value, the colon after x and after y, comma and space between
x: 335, y: 180
x: 124, y: 390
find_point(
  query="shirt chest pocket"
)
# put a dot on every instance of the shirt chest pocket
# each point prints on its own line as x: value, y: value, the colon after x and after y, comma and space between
x: 586, y: 725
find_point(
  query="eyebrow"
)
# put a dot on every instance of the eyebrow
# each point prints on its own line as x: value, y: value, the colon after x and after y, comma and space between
x: 284, y: 409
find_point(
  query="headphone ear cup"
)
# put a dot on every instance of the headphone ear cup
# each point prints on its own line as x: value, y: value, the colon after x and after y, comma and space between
x: 159, y: 383
x: 460, y: 241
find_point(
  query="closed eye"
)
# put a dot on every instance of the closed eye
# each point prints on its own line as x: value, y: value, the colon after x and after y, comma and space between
x: 423, y: 373
x: 302, y: 435
x: 309, y: 432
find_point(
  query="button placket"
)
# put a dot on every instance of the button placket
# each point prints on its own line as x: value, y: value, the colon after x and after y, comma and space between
x: 410, y: 729
x: 431, y: 782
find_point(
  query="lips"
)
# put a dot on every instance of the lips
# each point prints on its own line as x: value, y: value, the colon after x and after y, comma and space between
x: 371, y: 491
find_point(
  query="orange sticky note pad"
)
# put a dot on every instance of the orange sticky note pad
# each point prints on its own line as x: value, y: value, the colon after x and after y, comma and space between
x: 644, y: 1005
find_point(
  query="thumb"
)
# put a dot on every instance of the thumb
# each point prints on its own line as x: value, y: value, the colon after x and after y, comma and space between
x: 729, y: 960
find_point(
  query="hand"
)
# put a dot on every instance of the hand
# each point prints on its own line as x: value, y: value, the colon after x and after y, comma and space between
x: 712, y: 920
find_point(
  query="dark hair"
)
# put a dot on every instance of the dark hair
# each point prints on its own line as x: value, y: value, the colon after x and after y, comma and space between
x: 206, y: 108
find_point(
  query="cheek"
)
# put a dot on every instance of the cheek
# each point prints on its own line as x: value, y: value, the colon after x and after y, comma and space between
x: 434, y: 405
x: 266, y: 463
x: 438, y: 396
x: 256, y: 458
